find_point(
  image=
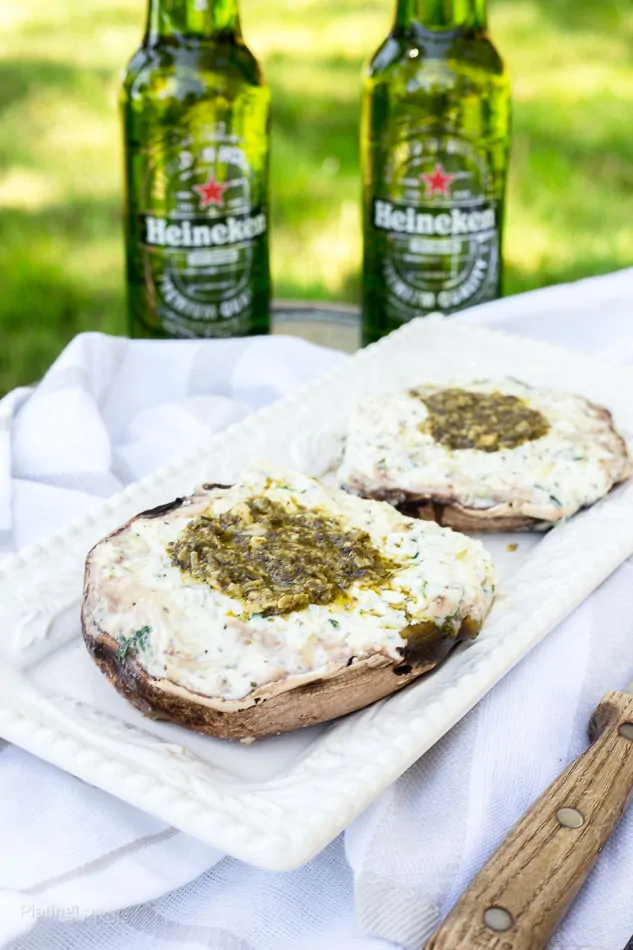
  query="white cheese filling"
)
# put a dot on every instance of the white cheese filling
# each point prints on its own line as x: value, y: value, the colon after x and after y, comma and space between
x: 203, y: 640
x: 572, y: 466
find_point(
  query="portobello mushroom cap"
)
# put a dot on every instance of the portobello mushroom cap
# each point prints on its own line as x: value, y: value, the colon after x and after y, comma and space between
x: 291, y: 702
x: 527, y: 507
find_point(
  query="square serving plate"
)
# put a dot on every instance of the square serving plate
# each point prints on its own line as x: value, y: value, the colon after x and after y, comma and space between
x: 277, y: 802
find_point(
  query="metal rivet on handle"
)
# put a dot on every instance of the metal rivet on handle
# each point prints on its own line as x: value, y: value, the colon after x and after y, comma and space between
x: 570, y: 818
x: 498, y: 919
x: 626, y: 730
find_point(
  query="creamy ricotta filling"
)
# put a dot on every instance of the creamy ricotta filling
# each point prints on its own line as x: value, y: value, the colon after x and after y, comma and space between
x: 208, y: 642
x: 572, y: 466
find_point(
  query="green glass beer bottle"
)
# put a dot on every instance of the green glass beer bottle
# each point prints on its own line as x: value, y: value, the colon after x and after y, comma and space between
x: 196, y: 118
x: 435, y: 143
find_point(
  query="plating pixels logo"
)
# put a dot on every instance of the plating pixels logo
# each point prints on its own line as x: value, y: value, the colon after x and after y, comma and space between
x: 438, y: 182
x: 211, y: 193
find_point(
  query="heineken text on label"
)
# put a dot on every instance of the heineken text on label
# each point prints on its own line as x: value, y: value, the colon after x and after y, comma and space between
x: 197, y: 176
x: 165, y: 232
x: 451, y: 221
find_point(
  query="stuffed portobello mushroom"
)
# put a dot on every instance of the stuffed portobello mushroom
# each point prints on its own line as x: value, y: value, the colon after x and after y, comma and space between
x: 276, y: 603
x: 494, y: 455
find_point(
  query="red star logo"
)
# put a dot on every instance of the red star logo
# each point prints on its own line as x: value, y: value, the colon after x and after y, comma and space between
x: 211, y: 193
x: 438, y: 182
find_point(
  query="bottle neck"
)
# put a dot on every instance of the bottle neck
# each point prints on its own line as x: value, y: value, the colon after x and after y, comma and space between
x: 441, y: 15
x: 198, y: 19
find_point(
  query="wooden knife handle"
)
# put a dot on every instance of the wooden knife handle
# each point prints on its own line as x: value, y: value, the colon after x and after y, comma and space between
x: 525, y: 889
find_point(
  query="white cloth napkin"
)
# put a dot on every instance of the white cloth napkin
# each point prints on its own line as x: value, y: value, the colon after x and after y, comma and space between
x: 80, y: 869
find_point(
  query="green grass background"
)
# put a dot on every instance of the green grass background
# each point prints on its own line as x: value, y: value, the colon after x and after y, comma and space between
x: 570, y: 207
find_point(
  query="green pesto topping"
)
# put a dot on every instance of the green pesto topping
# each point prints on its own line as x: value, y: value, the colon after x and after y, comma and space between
x: 488, y: 422
x: 277, y: 560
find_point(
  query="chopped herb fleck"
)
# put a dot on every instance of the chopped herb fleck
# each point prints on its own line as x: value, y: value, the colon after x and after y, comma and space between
x: 138, y: 641
x: 448, y: 625
x: 334, y: 623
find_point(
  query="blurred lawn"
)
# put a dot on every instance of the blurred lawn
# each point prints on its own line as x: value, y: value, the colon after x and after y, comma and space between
x: 570, y: 209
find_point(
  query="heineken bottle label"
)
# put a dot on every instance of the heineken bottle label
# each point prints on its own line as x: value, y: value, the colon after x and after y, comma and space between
x: 436, y: 223
x: 201, y: 235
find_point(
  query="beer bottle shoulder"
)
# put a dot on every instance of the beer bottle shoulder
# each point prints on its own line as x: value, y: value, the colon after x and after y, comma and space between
x: 405, y: 52
x: 195, y: 64
x: 481, y: 49
x: 392, y: 51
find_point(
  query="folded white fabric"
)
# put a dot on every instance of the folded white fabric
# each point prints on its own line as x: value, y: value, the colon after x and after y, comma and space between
x: 108, y: 412
x: 78, y: 868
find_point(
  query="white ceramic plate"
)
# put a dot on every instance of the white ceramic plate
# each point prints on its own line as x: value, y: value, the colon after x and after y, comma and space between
x: 278, y: 801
